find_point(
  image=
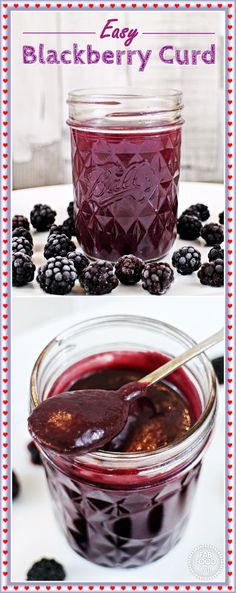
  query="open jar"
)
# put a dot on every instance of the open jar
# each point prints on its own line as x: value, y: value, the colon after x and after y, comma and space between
x: 125, y: 147
x: 124, y: 509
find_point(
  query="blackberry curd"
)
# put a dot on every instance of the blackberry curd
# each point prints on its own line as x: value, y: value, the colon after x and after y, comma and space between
x: 128, y: 503
x: 125, y: 151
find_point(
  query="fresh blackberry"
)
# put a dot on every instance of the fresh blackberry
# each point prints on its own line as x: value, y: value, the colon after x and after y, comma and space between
x: 15, y: 485
x: 68, y: 227
x: 22, y: 269
x: 20, y: 231
x: 189, y: 227
x: 79, y: 260
x: 212, y: 273
x: 218, y: 365
x: 222, y: 217
x: 199, y: 210
x: 128, y: 269
x: 34, y: 453
x: 212, y: 233
x: 42, y: 217
x: 190, y: 212
x: 98, y: 278
x: 21, y: 245
x: 46, y: 570
x: 70, y: 209
x: 157, y: 277
x: 216, y: 252
x: 186, y: 260
x: 58, y: 229
x: 58, y: 245
x: 20, y: 221
x: 57, y: 275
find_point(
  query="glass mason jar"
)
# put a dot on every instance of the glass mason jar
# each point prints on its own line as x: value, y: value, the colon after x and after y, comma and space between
x: 124, y: 509
x: 125, y: 147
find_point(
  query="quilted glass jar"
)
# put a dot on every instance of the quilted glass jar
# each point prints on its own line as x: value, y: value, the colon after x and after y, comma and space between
x: 124, y: 509
x: 125, y: 150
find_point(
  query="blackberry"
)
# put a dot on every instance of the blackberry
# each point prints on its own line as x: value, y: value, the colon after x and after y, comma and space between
x: 58, y: 229
x: 222, y: 217
x: 216, y: 252
x: 46, y: 570
x: 189, y: 227
x: 79, y: 260
x: 20, y: 221
x: 218, y: 365
x: 128, y: 269
x: 21, y: 245
x: 20, y: 231
x: 15, y: 485
x: 34, y: 453
x: 212, y: 273
x: 70, y: 209
x: 190, y: 212
x: 42, y: 217
x: 58, y: 245
x: 57, y: 276
x: 98, y: 278
x: 186, y: 260
x: 68, y: 227
x: 199, y: 210
x: 157, y: 277
x: 212, y: 233
x: 22, y: 269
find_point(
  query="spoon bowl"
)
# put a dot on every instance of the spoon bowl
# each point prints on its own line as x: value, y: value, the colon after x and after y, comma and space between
x: 86, y: 420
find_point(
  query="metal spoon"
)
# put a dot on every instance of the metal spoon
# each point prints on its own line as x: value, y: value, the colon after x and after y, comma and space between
x: 174, y: 364
x: 82, y: 421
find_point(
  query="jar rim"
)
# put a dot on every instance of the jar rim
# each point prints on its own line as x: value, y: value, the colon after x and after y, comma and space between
x: 123, y: 108
x: 162, y: 454
x: 127, y: 93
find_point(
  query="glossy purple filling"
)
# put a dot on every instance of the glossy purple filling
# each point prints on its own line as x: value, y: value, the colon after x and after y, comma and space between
x: 126, y: 192
x: 124, y: 517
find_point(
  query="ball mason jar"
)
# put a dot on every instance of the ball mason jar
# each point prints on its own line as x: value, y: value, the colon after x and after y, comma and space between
x: 125, y: 150
x: 124, y: 509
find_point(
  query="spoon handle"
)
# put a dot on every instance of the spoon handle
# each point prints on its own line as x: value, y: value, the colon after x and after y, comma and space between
x: 174, y: 364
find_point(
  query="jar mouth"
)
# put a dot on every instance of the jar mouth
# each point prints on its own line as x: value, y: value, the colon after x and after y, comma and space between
x: 124, y: 107
x: 178, y: 447
x: 116, y: 95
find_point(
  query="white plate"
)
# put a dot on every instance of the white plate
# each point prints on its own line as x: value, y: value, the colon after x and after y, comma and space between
x: 58, y: 197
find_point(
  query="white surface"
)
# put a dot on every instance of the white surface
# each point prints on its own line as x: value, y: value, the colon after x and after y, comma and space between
x: 35, y: 532
x: 58, y: 197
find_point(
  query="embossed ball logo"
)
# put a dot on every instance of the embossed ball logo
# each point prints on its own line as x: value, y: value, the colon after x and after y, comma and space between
x: 205, y: 562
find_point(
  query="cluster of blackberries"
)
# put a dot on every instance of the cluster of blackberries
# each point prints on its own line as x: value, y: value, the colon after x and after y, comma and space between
x: 42, y: 218
x: 65, y: 265
x: 189, y: 225
x: 101, y: 277
x: 188, y: 259
x: 22, y: 250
